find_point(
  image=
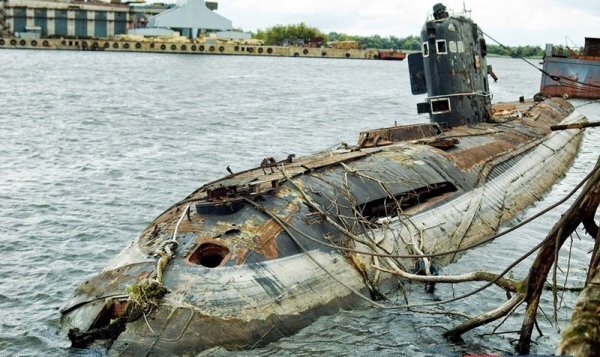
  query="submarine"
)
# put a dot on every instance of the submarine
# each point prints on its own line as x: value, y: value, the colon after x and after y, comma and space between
x: 260, y: 254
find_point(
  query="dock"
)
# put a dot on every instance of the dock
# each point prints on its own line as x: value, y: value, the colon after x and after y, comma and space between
x: 190, y: 47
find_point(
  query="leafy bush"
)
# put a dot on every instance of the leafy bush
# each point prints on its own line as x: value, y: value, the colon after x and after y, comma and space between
x: 282, y: 35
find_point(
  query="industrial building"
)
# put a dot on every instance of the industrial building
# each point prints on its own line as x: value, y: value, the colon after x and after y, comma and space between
x: 98, y: 19
x: 190, y: 18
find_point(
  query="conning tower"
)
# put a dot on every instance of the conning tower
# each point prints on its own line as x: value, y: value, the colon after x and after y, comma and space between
x: 452, y: 70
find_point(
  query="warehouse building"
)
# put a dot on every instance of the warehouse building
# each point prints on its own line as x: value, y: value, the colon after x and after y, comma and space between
x: 96, y: 19
x: 190, y: 18
x: 69, y: 19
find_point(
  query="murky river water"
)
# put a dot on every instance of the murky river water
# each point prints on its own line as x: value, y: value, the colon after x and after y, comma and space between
x: 94, y: 145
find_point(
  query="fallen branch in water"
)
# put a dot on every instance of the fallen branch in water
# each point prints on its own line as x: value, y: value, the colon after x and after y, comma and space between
x: 575, y: 126
x: 485, y: 318
x: 505, y: 283
x: 585, y: 205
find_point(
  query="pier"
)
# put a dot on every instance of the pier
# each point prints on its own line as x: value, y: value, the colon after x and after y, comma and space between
x: 190, y: 47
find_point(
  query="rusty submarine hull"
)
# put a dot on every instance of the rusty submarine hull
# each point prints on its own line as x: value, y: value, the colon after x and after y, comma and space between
x: 258, y: 255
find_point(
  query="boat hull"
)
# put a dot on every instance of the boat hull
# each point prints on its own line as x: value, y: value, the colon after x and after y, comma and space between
x: 579, y: 77
x: 391, y: 55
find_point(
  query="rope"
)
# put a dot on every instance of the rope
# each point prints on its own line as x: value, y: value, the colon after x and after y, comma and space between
x: 554, y: 77
x: 479, y: 94
x: 166, y: 250
x: 142, y: 297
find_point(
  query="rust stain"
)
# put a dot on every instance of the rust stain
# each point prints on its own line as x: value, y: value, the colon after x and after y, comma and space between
x: 388, y: 136
x: 574, y: 91
x: 191, y: 227
x: 498, y: 109
x: 269, y: 230
x: 514, y: 137
x: 468, y: 158
x: 239, y: 253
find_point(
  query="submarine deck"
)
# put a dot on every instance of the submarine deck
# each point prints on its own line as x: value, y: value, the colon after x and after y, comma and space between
x: 461, y: 156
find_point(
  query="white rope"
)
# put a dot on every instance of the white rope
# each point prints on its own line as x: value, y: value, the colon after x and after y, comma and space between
x: 460, y: 95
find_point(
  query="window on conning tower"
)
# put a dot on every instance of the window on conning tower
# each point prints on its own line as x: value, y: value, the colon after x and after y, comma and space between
x: 440, y: 106
x: 441, y: 47
x: 425, y: 49
x: 452, y: 46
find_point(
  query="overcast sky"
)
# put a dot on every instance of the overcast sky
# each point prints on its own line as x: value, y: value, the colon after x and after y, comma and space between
x: 512, y: 22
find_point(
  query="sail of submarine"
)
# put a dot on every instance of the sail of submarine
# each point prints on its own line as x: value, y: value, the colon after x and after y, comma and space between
x: 260, y: 254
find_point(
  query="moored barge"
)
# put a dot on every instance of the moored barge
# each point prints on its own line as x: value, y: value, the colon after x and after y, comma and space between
x: 572, y: 75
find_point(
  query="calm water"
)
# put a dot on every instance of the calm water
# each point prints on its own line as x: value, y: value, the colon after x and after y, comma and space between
x: 94, y: 145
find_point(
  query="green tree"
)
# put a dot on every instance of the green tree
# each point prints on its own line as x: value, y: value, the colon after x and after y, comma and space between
x: 516, y: 51
x: 280, y: 35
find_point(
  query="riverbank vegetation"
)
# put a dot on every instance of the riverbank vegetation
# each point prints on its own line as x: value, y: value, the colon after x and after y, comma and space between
x: 284, y: 35
x: 302, y: 34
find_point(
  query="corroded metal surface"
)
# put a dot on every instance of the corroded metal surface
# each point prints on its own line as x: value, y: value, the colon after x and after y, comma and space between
x: 387, y: 136
x: 567, y: 74
x: 240, y: 280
